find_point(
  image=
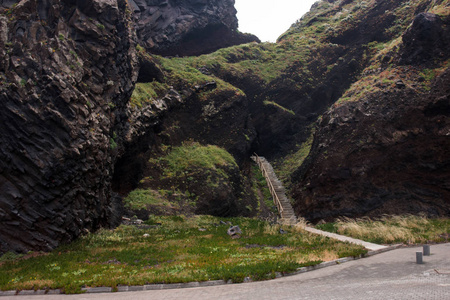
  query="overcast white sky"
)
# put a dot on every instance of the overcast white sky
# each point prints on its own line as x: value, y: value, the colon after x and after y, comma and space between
x: 268, y: 19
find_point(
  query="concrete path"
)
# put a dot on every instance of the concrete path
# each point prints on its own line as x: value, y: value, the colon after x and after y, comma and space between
x: 391, y: 275
x: 367, y: 245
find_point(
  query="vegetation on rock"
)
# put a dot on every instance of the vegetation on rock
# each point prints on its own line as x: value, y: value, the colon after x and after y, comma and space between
x: 339, y: 54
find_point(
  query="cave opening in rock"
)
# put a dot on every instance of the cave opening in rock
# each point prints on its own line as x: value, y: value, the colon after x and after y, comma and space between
x: 129, y: 168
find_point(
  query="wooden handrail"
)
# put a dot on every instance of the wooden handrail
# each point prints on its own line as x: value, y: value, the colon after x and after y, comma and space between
x: 273, y: 192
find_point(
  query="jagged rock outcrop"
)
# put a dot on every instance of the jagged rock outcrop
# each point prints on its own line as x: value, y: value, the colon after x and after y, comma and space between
x: 387, y: 152
x: 67, y: 70
x: 192, y: 27
x: 289, y: 84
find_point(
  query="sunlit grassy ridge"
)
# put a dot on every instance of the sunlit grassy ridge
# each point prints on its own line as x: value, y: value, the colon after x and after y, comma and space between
x: 393, y: 229
x: 179, y: 250
x: 146, y: 93
x: 193, y: 155
x: 142, y: 198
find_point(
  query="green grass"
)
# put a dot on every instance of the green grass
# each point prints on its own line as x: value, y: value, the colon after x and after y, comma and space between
x: 177, y: 251
x: 330, y: 227
x: 272, y: 103
x: 260, y: 184
x: 146, y: 93
x: 143, y: 198
x: 182, y: 72
x: 190, y: 157
x: 393, y: 229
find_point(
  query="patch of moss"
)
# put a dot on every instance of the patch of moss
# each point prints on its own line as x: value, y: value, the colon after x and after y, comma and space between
x: 142, y: 198
x: 291, y: 162
x: 272, y: 103
x: 146, y: 93
x: 190, y: 157
x: 182, y: 72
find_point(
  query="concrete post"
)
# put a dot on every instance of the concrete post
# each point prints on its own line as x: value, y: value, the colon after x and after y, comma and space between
x: 419, y: 258
x: 426, y: 250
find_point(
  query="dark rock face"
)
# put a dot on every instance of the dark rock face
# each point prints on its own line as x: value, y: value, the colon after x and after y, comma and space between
x: 426, y: 40
x: 192, y: 27
x: 67, y: 70
x: 387, y: 153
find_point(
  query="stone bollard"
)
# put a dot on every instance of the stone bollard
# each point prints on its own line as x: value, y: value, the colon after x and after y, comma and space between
x: 426, y: 250
x: 419, y: 258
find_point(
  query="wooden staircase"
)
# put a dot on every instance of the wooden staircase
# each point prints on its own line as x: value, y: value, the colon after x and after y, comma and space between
x: 277, y: 190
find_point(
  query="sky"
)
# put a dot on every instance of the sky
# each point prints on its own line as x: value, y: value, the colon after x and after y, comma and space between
x: 268, y: 19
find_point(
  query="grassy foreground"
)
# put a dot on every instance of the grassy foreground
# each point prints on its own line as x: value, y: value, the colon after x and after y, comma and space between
x: 174, y: 250
x: 393, y: 229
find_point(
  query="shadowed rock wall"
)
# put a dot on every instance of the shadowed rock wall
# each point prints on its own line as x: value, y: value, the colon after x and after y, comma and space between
x: 67, y: 70
x: 187, y: 27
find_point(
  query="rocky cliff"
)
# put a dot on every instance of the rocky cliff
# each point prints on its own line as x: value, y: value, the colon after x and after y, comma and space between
x: 370, y: 78
x: 67, y: 70
x: 193, y: 27
x: 361, y: 68
x: 384, y: 147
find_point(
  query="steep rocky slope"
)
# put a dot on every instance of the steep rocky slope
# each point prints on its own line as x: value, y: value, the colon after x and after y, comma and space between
x: 384, y: 147
x: 183, y: 107
x: 67, y: 71
x: 345, y: 52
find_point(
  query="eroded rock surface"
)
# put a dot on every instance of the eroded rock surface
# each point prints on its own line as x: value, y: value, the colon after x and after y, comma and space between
x: 388, y: 152
x: 192, y: 27
x: 67, y: 70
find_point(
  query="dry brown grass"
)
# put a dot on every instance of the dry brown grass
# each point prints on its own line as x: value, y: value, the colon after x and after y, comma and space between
x: 394, y: 229
x: 301, y: 224
x: 363, y: 228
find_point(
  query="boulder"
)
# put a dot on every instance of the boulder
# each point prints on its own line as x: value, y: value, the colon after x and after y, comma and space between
x: 426, y: 41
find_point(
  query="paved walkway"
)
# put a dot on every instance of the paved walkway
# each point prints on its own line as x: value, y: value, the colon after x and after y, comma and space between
x: 391, y: 275
x: 343, y: 238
